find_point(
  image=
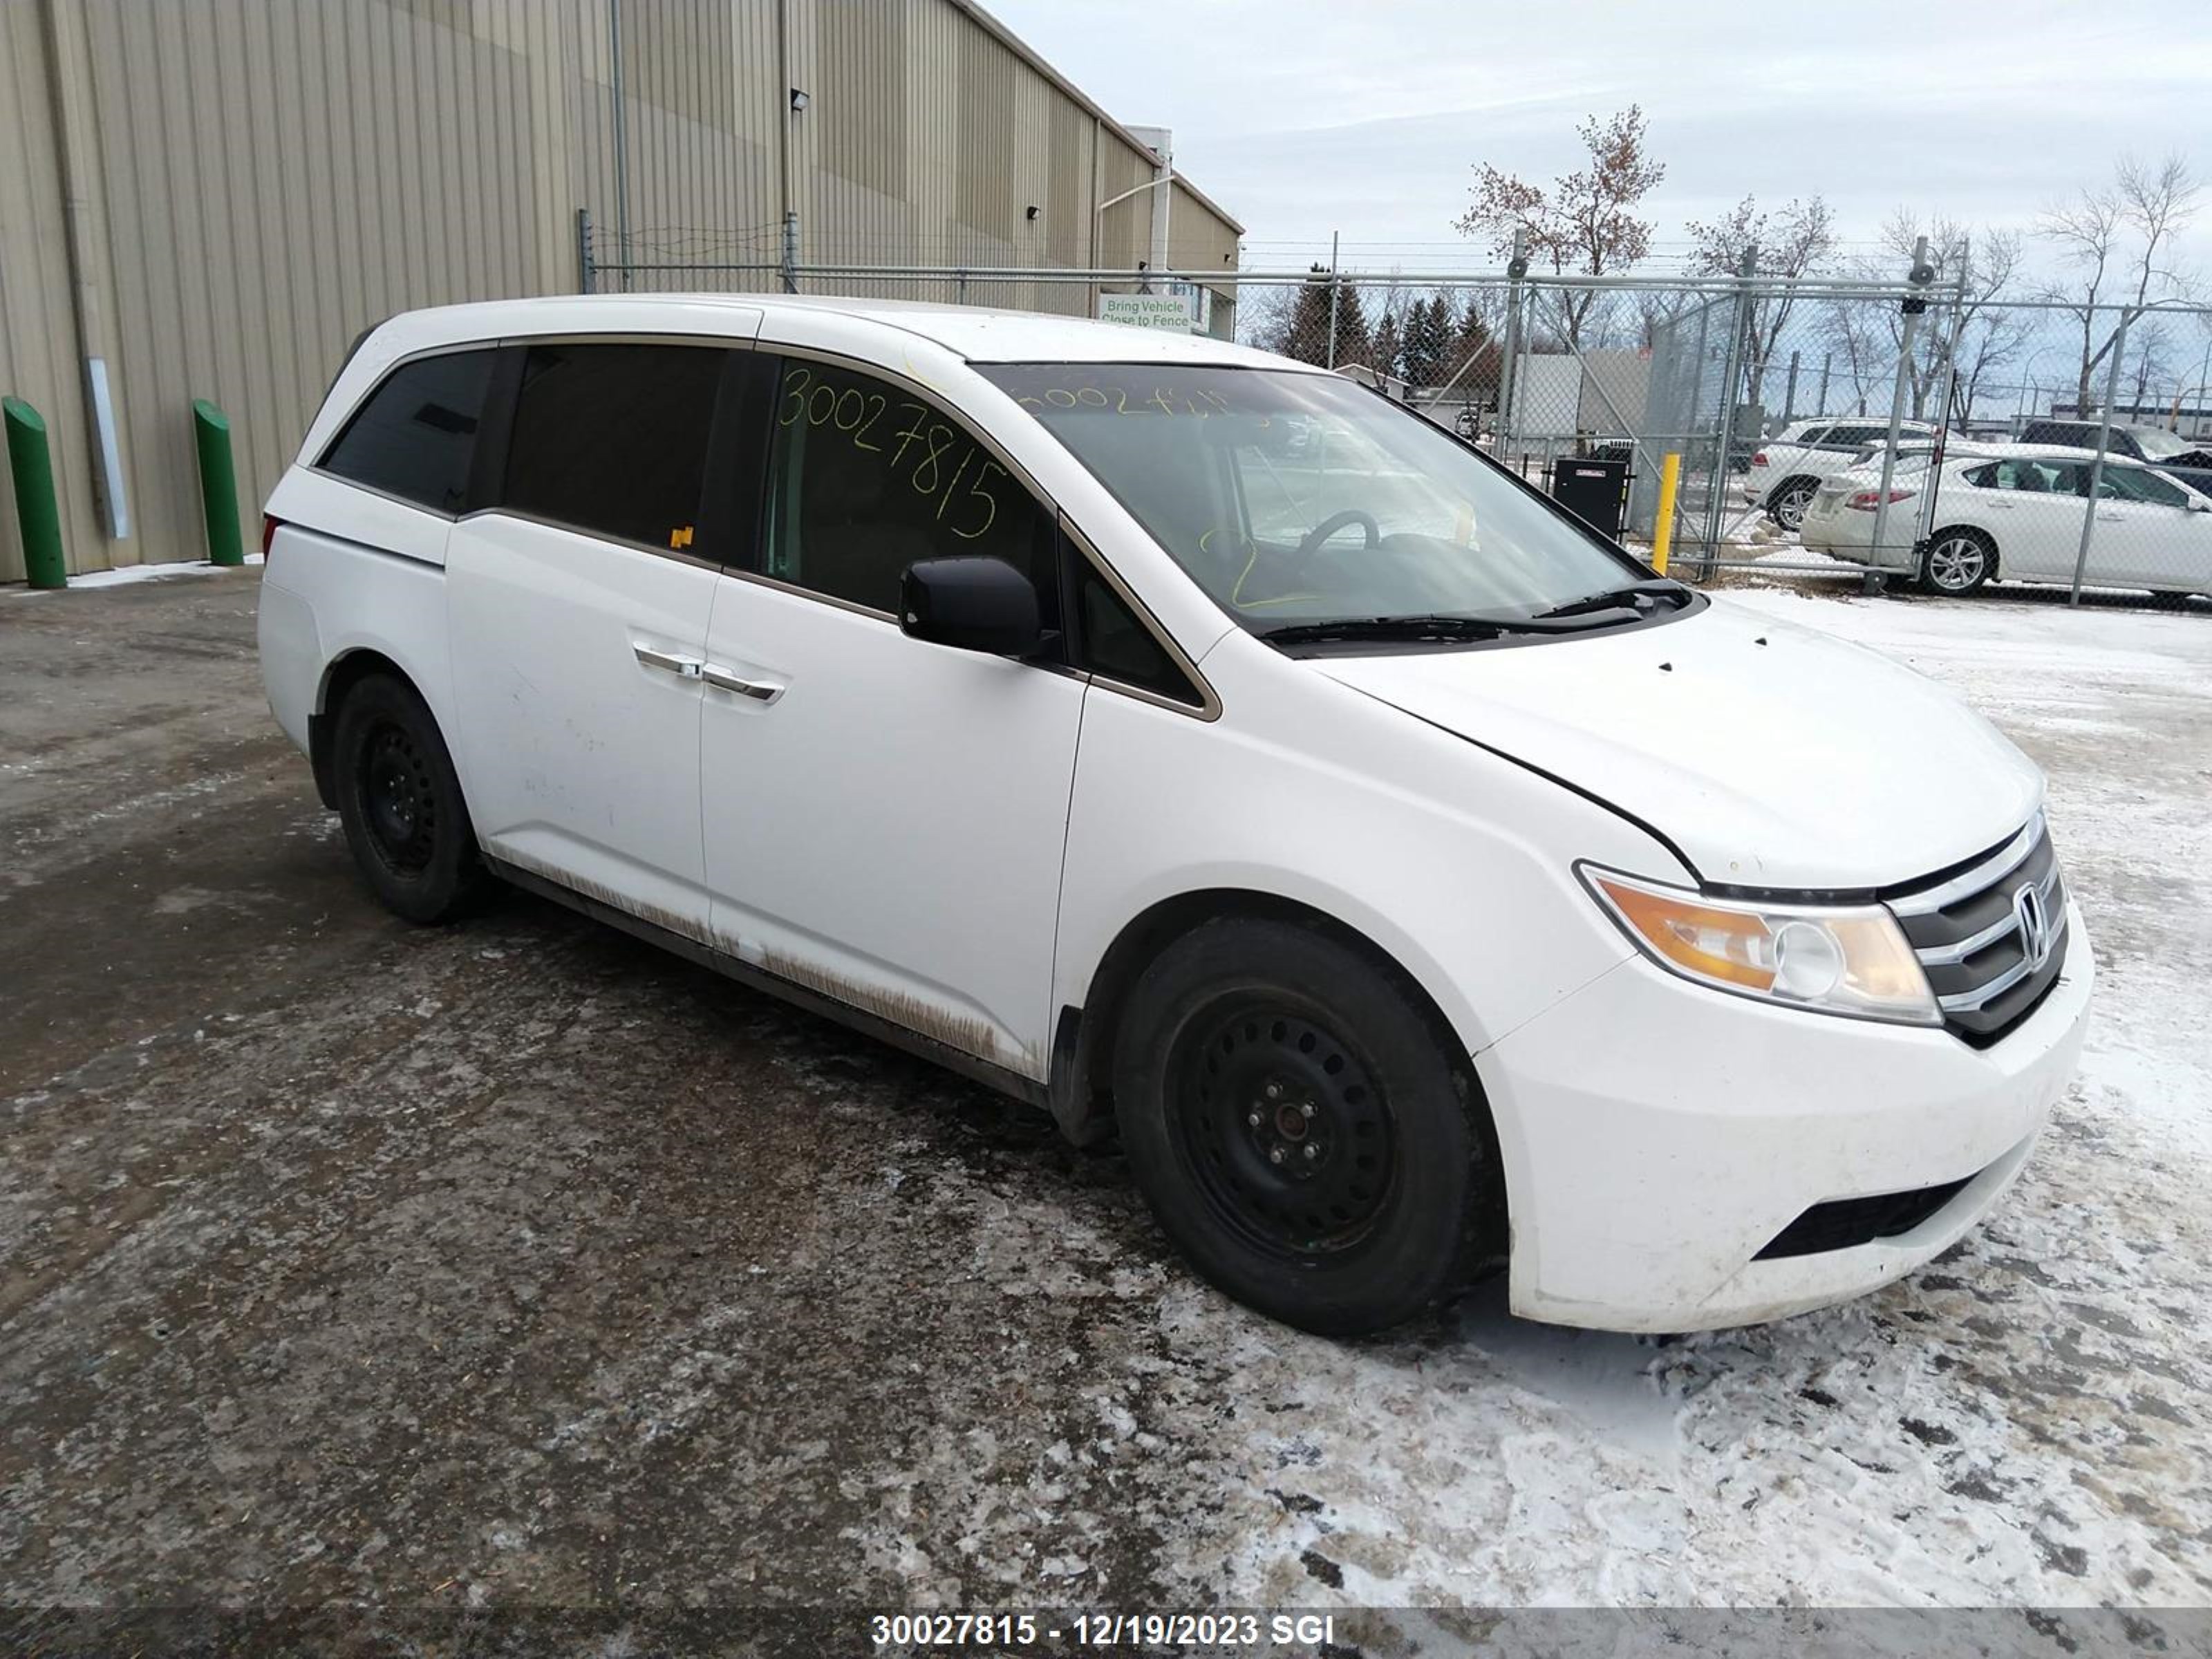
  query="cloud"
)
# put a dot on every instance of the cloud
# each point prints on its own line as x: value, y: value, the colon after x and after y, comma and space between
x: 1303, y: 117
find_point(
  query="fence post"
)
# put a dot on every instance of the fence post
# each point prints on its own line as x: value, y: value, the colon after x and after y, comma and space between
x: 1920, y: 277
x: 1731, y: 373
x: 218, y: 483
x: 1926, y: 518
x: 31, y: 460
x: 1517, y: 269
x: 1335, y: 295
x: 1789, y: 396
x: 2103, y: 443
x: 584, y: 273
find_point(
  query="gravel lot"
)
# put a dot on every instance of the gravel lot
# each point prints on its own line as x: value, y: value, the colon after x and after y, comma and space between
x: 518, y: 1262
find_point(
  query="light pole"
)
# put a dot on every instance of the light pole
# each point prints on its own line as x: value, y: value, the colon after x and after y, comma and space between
x: 2028, y: 385
x: 1158, y: 239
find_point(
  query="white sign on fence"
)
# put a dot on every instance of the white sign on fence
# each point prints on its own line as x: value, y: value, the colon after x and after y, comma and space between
x: 1172, y: 312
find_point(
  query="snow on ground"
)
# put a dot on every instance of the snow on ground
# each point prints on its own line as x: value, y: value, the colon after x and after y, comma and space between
x: 124, y: 575
x: 2022, y: 1423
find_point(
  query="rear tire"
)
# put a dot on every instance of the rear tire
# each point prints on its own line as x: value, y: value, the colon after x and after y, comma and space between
x: 1958, y: 561
x: 400, y: 801
x: 1787, y: 503
x: 1296, y: 1124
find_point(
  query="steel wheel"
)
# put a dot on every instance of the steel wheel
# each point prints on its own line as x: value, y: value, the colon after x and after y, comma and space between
x: 1957, y: 562
x: 1790, y: 502
x: 399, y: 802
x: 1300, y: 1129
x: 1287, y: 1134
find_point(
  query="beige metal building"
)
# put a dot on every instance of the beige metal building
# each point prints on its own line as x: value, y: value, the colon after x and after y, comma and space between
x: 208, y: 199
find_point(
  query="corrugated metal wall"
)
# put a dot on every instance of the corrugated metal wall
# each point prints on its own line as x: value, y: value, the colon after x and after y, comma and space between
x: 37, y: 356
x: 260, y: 179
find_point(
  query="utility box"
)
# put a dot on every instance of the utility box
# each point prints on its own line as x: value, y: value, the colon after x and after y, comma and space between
x: 1593, y: 489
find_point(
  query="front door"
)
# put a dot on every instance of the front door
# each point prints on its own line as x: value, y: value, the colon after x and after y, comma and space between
x: 2147, y: 534
x: 2034, y: 505
x: 885, y: 818
x: 578, y: 608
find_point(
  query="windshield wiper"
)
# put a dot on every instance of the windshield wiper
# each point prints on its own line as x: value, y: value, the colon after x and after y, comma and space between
x: 1634, y: 595
x: 1432, y: 627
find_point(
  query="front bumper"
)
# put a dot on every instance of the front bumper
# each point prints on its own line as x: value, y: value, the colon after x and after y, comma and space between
x: 1656, y: 1135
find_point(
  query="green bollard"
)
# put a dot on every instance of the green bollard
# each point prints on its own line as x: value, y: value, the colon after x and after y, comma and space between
x: 218, y: 483
x: 32, y: 462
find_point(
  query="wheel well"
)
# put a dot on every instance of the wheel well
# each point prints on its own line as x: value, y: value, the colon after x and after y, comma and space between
x: 1083, y: 1042
x: 340, y: 678
x: 1775, y: 493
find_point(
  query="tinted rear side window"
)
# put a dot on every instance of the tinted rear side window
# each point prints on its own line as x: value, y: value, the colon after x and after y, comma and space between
x: 416, y: 434
x: 612, y: 439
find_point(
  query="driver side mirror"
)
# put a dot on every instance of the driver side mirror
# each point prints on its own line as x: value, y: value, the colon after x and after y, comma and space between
x: 971, y: 603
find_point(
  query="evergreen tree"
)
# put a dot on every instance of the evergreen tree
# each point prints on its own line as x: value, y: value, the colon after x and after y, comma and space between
x: 1427, y: 334
x: 1308, y: 333
x: 1386, y: 352
x: 1471, y: 348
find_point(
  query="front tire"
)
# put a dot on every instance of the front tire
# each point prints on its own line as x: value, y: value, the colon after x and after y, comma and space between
x: 400, y: 801
x: 1295, y: 1123
x: 1957, y: 562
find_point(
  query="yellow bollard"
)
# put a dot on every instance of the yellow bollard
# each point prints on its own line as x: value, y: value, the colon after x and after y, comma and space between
x: 1662, y: 533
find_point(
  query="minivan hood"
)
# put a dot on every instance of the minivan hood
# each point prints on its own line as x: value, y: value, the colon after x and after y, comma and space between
x: 1770, y: 754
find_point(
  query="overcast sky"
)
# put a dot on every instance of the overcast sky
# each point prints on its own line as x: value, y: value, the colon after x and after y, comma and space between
x: 1301, y: 117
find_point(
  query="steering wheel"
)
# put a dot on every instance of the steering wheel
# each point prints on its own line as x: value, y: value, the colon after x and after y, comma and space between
x: 1312, y: 542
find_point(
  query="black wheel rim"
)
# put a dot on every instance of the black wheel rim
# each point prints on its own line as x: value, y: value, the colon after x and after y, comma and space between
x: 1290, y: 1140
x: 399, y: 806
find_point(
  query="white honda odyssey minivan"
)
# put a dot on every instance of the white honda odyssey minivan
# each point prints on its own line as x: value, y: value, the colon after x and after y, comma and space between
x: 1207, y: 748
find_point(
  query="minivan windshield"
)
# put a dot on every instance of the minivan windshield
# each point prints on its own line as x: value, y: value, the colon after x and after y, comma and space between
x: 1302, y: 498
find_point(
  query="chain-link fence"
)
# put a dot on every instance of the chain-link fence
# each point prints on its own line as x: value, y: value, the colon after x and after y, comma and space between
x: 1812, y: 426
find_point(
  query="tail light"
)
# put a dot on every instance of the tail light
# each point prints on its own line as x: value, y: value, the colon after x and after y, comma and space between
x: 1759, y: 459
x: 269, y: 528
x: 1868, y: 501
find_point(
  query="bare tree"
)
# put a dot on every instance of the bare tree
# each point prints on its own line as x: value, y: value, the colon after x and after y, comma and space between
x: 1987, y: 335
x: 1981, y: 333
x: 1795, y: 242
x: 1972, y: 330
x: 1586, y: 222
x: 1264, y: 316
x: 2117, y: 240
x: 2149, y: 360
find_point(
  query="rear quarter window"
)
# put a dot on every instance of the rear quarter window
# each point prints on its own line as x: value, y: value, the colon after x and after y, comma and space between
x: 415, y: 436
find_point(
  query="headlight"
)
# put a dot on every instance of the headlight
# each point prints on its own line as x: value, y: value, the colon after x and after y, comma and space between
x: 1838, y: 959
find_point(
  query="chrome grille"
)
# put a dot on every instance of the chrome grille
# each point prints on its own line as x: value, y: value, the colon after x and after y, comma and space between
x: 1992, y: 940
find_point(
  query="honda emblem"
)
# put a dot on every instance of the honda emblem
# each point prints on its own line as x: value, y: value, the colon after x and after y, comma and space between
x: 2034, y: 921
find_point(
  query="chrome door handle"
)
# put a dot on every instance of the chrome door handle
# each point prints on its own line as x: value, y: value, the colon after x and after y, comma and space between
x: 722, y: 680
x: 667, y: 662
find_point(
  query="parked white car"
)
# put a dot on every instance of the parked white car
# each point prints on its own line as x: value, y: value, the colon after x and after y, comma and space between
x: 2016, y: 513
x: 1787, y: 469
x: 1193, y: 743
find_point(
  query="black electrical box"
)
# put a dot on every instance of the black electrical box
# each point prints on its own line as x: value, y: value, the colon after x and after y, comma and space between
x: 1594, y: 489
